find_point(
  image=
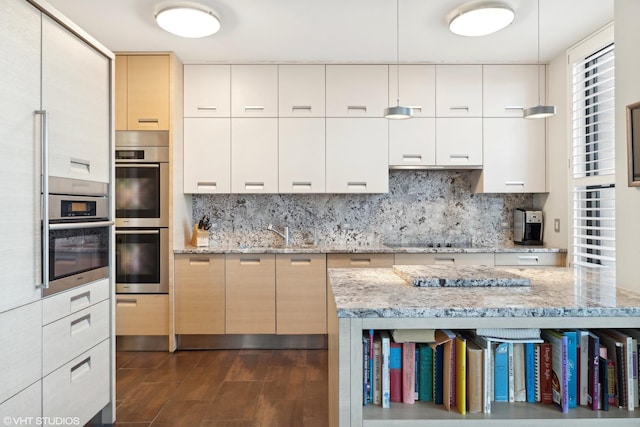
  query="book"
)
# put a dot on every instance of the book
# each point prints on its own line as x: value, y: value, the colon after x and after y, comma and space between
x: 487, y: 346
x: 603, y: 403
x: 635, y: 333
x: 447, y: 338
x: 395, y: 372
x: 510, y: 333
x: 377, y: 370
x: 546, y: 359
x: 414, y: 335
x: 438, y: 366
x: 593, y: 370
x: 530, y: 371
x: 408, y: 372
x: 501, y: 375
x: 537, y: 356
x: 629, y: 388
x: 385, y: 383
x: 560, y: 380
x: 461, y: 373
x: 475, y: 392
x: 572, y: 367
x: 416, y: 387
x: 425, y: 372
x: 583, y: 367
x: 510, y: 374
x: 371, y: 362
x: 615, y: 353
x: 366, y: 385
x: 519, y: 374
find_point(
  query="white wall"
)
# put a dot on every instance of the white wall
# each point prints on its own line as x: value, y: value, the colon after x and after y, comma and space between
x: 627, y: 37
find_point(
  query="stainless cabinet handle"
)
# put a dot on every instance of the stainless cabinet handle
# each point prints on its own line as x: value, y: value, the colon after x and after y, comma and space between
x: 120, y: 231
x: 411, y: 158
x: 300, y: 262
x: 250, y: 261
x: 207, y: 185
x: 360, y: 261
x: 44, y: 197
x: 444, y: 261
x: 460, y: 107
x: 80, y: 165
x: 137, y: 165
x: 198, y: 262
x: 253, y: 108
x: 458, y: 156
x: 528, y: 258
x: 254, y: 185
x: 212, y: 108
x: 301, y: 107
x: 518, y: 183
x: 301, y: 186
x: 416, y: 107
x: 514, y: 107
x: 356, y: 185
x: 129, y: 302
x: 357, y: 107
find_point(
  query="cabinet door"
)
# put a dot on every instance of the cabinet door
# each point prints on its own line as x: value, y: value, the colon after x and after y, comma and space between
x: 254, y: 155
x: 138, y: 314
x: 148, y: 92
x: 301, y: 294
x: 417, y: 88
x: 458, y: 90
x: 459, y: 142
x: 301, y: 91
x: 250, y: 303
x: 199, y: 294
x: 207, y: 90
x: 509, y: 89
x: 444, y: 258
x: 301, y: 151
x: 254, y: 91
x: 357, y: 90
x: 207, y: 155
x: 26, y: 404
x: 360, y: 260
x: 412, y: 142
x: 514, y: 156
x: 530, y: 259
x: 120, y: 91
x: 76, y: 91
x: 20, y: 153
x: 357, y: 156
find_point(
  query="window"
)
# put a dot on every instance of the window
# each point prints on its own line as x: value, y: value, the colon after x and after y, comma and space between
x: 593, y: 152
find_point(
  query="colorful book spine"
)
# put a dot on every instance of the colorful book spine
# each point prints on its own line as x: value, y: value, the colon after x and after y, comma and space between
x: 583, y: 367
x: 603, y: 403
x: 572, y: 367
x: 438, y: 368
x: 546, y: 359
x: 366, y: 385
x: 395, y: 372
x: 408, y: 372
x: 501, y: 375
x: 377, y: 370
x: 425, y: 373
x: 385, y: 383
x: 560, y: 381
x: 519, y: 373
x: 510, y: 373
x: 416, y: 387
x: 475, y: 391
x: 593, y: 377
x: 530, y: 371
x: 371, y: 363
x: 461, y: 374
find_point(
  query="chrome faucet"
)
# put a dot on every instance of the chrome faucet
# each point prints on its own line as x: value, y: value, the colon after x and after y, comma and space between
x: 284, y: 234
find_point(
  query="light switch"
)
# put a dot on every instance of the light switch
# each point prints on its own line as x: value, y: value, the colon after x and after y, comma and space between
x: 556, y: 225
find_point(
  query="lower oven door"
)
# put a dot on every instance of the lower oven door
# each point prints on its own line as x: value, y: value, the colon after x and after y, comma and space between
x: 142, y: 260
x: 78, y: 254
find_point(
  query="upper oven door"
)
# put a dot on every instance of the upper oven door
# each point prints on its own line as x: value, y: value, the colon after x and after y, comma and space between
x: 142, y: 196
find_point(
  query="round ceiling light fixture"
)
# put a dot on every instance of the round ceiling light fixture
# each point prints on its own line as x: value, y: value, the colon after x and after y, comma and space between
x: 480, y: 19
x: 186, y: 19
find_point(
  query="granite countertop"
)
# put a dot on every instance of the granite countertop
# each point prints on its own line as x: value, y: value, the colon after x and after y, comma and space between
x: 381, y: 248
x: 554, y: 292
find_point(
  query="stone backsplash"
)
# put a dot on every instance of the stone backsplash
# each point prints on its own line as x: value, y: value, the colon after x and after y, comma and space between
x: 422, y: 206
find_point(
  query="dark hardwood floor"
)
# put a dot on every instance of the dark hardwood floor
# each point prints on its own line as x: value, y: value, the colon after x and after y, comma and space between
x: 222, y: 388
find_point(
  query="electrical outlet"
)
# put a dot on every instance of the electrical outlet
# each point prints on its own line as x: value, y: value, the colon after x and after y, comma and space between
x: 556, y: 225
x: 505, y: 224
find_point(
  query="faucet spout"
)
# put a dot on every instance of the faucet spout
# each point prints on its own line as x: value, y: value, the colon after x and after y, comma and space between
x: 284, y: 233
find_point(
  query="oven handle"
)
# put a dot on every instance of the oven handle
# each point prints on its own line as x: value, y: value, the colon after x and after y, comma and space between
x: 137, y: 231
x: 76, y: 225
x: 137, y: 165
x: 44, y: 201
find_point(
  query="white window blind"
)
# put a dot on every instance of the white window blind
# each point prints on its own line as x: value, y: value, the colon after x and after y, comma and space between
x: 593, y: 154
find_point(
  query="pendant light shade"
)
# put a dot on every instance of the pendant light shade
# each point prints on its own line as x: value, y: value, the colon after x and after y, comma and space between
x: 190, y: 20
x: 398, y: 112
x: 539, y: 111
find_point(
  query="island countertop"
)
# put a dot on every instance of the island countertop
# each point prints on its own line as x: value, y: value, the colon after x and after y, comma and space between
x: 554, y: 292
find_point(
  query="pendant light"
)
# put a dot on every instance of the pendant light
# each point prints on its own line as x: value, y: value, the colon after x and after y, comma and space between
x: 398, y: 112
x: 539, y: 111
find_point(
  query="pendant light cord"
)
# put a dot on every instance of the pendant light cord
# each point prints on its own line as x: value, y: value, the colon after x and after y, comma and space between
x: 538, y: 65
x: 398, y: 51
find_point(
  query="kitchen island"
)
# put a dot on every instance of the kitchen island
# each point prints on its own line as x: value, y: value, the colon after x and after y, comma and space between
x: 379, y: 299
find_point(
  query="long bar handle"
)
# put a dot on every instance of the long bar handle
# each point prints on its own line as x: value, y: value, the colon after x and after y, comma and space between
x: 137, y: 232
x: 44, y: 196
x: 77, y: 225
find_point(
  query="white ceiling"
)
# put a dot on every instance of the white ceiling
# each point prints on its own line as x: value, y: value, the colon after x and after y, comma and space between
x: 341, y: 30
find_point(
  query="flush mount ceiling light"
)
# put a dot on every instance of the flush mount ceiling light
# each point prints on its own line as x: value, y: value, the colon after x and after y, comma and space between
x: 539, y: 111
x: 190, y: 20
x: 398, y: 112
x: 480, y: 19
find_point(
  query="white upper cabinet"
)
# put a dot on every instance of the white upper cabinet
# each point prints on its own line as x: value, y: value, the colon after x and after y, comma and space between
x: 207, y: 90
x: 357, y: 90
x: 301, y: 91
x: 412, y: 143
x: 254, y: 91
x: 459, y: 142
x: 417, y: 88
x: 458, y: 90
x: 514, y: 156
x: 301, y: 151
x: 254, y: 155
x: 357, y: 156
x: 76, y: 93
x: 207, y: 154
x: 509, y: 89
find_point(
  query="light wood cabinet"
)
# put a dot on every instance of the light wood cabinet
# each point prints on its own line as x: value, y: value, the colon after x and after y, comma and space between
x: 254, y: 91
x: 412, y: 142
x: 446, y: 259
x: 357, y: 156
x: 458, y: 90
x: 514, y: 157
x: 459, y: 142
x: 360, y: 260
x: 147, y: 92
x: 301, y: 294
x: 138, y: 314
x: 301, y: 91
x: 530, y: 259
x: 509, y: 89
x: 207, y: 90
x: 250, y: 302
x: 200, y: 294
x: 356, y: 90
x: 301, y: 155
x: 254, y: 155
x: 417, y: 88
x: 207, y: 155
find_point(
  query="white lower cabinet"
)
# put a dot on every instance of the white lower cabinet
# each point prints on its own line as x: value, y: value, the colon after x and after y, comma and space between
x: 357, y: 155
x: 446, y: 259
x: 459, y: 142
x: 207, y: 155
x: 26, y: 404
x: 412, y: 142
x: 301, y: 155
x: 80, y: 388
x: 254, y: 155
x: 530, y: 259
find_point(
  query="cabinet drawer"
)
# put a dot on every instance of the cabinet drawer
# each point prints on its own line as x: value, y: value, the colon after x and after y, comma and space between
x: 142, y: 314
x: 445, y: 259
x: 81, y: 387
x: 27, y: 403
x: 360, y: 260
x: 531, y: 259
x: 66, y: 338
x: 65, y: 303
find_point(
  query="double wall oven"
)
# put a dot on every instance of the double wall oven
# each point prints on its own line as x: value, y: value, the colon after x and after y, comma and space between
x: 142, y: 211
